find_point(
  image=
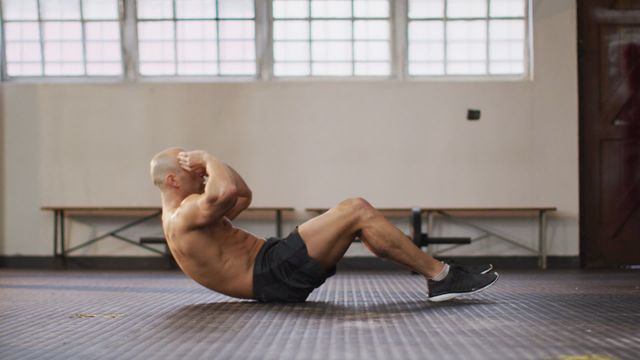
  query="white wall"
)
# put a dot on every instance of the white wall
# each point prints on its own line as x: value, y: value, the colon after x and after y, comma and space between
x: 308, y: 144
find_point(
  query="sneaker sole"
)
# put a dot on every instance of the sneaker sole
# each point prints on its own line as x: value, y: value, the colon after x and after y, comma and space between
x: 449, y: 296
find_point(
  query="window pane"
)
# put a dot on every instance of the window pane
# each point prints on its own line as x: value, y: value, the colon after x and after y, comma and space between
x: 291, y: 51
x: 101, y: 51
x: 156, y: 51
x: 20, y: 9
x: 506, y: 30
x: 331, y: 69
x: 465, y: 67
x: 196, y: 30
x: 507, y: 8
x: 104, y: 69
x: 371, y: 29
x: 236, y: 30
x: 331, y: 8
x: 63, y: 68
x: 372, y: 68
x: 155, y: 30
x: 24, y: 69
x: 157, y: 68
x: 331, y: 51
x: 426, y: 51
x: 330, y: 30
x: 22, y: 31
x: 197, y: 51
x: 371, y: 8
x: 371, y: 50
x: 237, y: 50
x: 506, y: 46
x: 200, y: 9
x: 100, y: 9
x: 60, y: 9
x: 62, y: 30
x: 428, y: 68
x: 237, y: 68
x: 290, y: 9
x: 197, y: 68
x: 236, y: 9
x: 426, y: 30
x: 102, y: 30
x: 58, y: 51
x: 292, y: 69
x: 506, y: 67
x: 290, y: 30
x: 466, y: 8
x: 155, y: 9
x: 426, y: 9
x: 23, y: 52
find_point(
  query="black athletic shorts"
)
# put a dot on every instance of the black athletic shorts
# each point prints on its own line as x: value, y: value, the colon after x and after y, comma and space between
x: 284, y: 271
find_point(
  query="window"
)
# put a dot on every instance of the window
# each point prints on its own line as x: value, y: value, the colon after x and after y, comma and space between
x: 467, y: 37
x: 62, y: 37
x: 264, y: 38
x: 196, y: 37
x: 331, y: 38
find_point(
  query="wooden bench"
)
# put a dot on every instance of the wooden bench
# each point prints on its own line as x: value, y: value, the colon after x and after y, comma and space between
x: 457, y: 215
x: 141, y: 214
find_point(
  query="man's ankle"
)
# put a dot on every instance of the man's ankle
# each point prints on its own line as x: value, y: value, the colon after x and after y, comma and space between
x: 442, y: 273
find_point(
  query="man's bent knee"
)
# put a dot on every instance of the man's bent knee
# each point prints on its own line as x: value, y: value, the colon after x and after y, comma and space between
x: 356, y: 204
x: 359, y: 207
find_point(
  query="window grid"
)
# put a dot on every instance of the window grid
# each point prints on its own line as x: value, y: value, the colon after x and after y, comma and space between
x: 42, y: 22
x: 488, y: 20
x: 399, y: 62
x: 213, y: 67
x: 311, y: 65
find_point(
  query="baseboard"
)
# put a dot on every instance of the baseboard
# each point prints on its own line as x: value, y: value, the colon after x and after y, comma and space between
x: 499, y: 262
x: 349, y: 263
x: 88, y: 262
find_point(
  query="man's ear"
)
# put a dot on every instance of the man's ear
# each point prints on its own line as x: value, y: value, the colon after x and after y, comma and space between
x: 171, y: 181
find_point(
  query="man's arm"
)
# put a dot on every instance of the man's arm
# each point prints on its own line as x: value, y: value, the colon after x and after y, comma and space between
x: 244, y: 196
x: 220, y: 193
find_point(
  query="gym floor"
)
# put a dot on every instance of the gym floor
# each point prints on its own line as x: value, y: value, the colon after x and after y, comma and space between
x: 355, y: 315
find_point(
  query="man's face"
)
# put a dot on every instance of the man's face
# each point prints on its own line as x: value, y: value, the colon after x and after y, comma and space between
x: 191, y: 182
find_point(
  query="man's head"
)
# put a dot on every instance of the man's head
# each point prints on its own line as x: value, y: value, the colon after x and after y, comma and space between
x: 169, y: 177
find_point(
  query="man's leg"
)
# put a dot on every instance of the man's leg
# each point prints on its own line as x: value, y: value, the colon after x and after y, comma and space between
x: 329, y: 235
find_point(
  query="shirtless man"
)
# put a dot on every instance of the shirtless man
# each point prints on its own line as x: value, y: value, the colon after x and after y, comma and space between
x: 201, y: 195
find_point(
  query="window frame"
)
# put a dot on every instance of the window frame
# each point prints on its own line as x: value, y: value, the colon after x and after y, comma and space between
x: 195, y: 78
x: 527, y: 56
x: 4, y: 74
x: 391, y: 41
x: 264, y: 60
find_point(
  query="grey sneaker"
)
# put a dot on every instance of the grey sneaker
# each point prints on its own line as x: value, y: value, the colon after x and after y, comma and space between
x: 458, y: 282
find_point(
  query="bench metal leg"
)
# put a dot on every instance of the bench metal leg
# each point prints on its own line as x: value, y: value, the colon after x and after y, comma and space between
x: 62, y: 251
x: 114, y: 233
x: 542, y: 234
x: 55, y: 234
x: 279, y: 223
x: 486, y: 233
x: 430, y: 223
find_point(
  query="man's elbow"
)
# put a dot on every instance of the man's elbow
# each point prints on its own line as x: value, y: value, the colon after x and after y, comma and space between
x: 229, y: 194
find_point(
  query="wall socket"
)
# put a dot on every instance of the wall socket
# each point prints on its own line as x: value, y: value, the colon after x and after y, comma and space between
x: 473, y: 114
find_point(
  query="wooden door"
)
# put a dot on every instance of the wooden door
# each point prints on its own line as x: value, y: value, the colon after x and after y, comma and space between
x: 609, y: 65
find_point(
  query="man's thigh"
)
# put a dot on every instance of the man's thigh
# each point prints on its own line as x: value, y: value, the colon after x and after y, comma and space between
x: 329, y: 235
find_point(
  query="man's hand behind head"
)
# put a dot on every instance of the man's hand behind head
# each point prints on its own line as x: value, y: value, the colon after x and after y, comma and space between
x: 193, y: 161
